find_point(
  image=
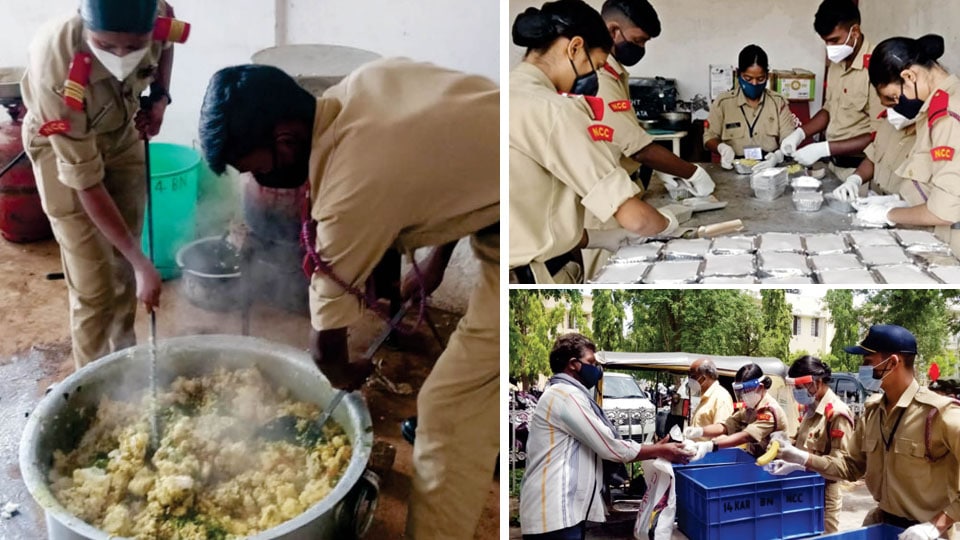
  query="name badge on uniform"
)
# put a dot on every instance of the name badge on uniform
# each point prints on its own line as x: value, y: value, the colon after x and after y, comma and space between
x: 753, y: 152
x: 732, y: 125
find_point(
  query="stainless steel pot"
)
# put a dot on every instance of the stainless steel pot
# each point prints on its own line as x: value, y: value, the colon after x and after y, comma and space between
x: 653, y: 123
x: 64, y: 414
x: 210, y: 270
x: 676, y: 121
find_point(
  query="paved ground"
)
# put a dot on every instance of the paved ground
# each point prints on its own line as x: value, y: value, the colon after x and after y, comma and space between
x: 34, y: 353
x: 856, y: 503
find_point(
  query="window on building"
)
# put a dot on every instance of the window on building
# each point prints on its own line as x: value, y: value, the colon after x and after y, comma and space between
x: 796, y: 325
x: 815, y: 327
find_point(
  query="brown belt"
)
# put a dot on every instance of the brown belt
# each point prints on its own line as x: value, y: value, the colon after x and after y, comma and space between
x: 897, y: 521
x: 524, y: 274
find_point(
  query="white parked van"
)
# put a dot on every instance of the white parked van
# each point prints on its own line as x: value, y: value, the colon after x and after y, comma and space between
x: 628, y: 407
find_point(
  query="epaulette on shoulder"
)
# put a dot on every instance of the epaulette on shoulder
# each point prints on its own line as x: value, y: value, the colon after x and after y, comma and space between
x: 170, y: 30
x: 78, y: 76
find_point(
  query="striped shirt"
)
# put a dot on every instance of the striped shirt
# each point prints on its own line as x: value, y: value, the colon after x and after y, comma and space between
x: 565, y: 448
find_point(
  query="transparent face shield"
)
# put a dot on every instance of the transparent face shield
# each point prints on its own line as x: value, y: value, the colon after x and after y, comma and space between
x: 804, y: 389
x: 748, y: 391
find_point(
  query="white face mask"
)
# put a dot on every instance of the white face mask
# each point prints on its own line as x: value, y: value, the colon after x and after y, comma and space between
x: 751, y: 399
x: 839, y: 53
x: 897, y: 120
x: 119, y: 66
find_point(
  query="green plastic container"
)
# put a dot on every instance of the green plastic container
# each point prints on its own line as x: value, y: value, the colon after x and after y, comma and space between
x: 174, y: 174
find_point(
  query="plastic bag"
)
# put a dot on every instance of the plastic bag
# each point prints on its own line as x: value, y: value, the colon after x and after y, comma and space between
x: 659, y: 505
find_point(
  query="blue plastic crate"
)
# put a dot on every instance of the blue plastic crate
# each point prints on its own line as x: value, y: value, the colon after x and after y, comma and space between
x: 744, y: 501
x: 873, y: 532
x: 725, y: 456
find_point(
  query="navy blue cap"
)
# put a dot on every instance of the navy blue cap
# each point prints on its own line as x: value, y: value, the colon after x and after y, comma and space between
x: 128, y: 16
x: 887, y: 338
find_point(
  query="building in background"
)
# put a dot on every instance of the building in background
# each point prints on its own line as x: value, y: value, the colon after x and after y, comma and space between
x: 812, y: 330
x: 570, y: 323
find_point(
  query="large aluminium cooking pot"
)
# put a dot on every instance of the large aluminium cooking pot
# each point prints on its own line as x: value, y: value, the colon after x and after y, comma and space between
x: 64, y: 414
x: 676, y: 121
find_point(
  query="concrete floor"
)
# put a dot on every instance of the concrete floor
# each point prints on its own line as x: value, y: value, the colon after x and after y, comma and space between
x: 35, y: 353
x: 857, y: 502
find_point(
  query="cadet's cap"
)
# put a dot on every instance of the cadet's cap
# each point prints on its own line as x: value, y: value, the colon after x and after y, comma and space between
x: 887, y: 338
x: 128, y: 16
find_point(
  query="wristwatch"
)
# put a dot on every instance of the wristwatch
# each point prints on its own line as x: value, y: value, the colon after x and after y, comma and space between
x: 157, y: 91
x: 715, y: 447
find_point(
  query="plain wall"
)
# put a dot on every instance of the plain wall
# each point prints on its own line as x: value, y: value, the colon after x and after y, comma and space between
x: 884, y: 19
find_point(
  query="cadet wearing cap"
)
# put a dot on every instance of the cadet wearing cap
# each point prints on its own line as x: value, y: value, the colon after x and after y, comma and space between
x: 752, y: 424
x: 826, y: 428
x: 850, y: 106
x: 258, y: 119
x: 560, y: 162
x: 82, y: 90
x: 751, y: 119
x: 906, y: 444
x: 632, y: 23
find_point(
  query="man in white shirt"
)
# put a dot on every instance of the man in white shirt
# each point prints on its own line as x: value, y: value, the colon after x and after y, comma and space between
x: 715, y: 404
x: 568, y: 440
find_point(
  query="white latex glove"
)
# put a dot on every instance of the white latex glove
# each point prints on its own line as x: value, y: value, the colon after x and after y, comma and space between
x: 779, y: 467
x: 811, y: 153
x: 701, y: 183
x: 609, y: 239
x: 850, y: 189
x: 920, y: 531
x: 790, y: 143
x: 703, y: 448
x: 726, y: 155
x: 692, y: 432
x: 769, y: 161
x: 672, y: 226
x: 789, y: 452
x: 874, y: 214
x: 681, y: 211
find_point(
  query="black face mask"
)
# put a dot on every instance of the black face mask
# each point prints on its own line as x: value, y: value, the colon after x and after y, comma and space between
x: 909, y: 108
x: 628, y: 53
x: 585, y: 85
x: 287, y: 177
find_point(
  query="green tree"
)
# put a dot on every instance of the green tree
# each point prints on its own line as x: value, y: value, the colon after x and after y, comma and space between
x: 711, y: 321
x: 532, y: 327
x: 578, y: 319
x: 608, y: 318
x: 922, y: 311
x: 777, y: 324
x: 845, y: 322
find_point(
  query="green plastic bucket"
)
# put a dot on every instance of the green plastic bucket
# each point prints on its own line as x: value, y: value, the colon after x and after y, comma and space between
x: 174, y: 172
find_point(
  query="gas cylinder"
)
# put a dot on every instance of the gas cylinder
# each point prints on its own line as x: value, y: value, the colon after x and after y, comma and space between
x: 21, y: 215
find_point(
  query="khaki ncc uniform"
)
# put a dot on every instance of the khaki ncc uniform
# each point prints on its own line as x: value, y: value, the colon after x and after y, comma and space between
x: 434, y: 181
x: 759, y: 423
x: 561, y: 165
x: 908, y: 457
x: 851, y: 101
x: 889, y: 149
x: 628, y: 139
x: 933, y: 162
x: 715, y: 407
x: 827, y: 430
x: 735, y: 122
x: 90, y: 146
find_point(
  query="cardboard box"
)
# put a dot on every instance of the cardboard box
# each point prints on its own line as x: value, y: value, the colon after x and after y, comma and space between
x: 795, y: 84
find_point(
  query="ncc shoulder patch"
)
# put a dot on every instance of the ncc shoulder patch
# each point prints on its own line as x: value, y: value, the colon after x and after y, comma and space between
x: 54, y: 127
x: 942, y: 153
x: 600, y: 132
x: 620, y: 106
x: 596, y: 106
x: 764, y: 417
x: 939, y: 107
x: 836, y: 433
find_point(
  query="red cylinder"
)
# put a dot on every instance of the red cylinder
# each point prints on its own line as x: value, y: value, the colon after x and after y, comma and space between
x: 21, y: 215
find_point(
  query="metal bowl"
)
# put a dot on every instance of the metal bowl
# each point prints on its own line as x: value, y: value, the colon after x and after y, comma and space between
x: 676, y: 121
x: 652, y: 123
x: 211, y: 274
x: 64, y: 414
x: 10, y: 82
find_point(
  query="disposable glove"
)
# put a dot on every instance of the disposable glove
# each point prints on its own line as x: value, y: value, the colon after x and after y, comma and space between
x: 673, y: 222
x: 850, y: 189
x: 770, y: 160
x: 790, y: 143
x: 726, y: 155
x: 703, y: 448
x: 811, y: 153
x: 692, y: 432
x: 789, y: 452
x: 920, y: 531
x: 779, y: 467
x: 701, y: 183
